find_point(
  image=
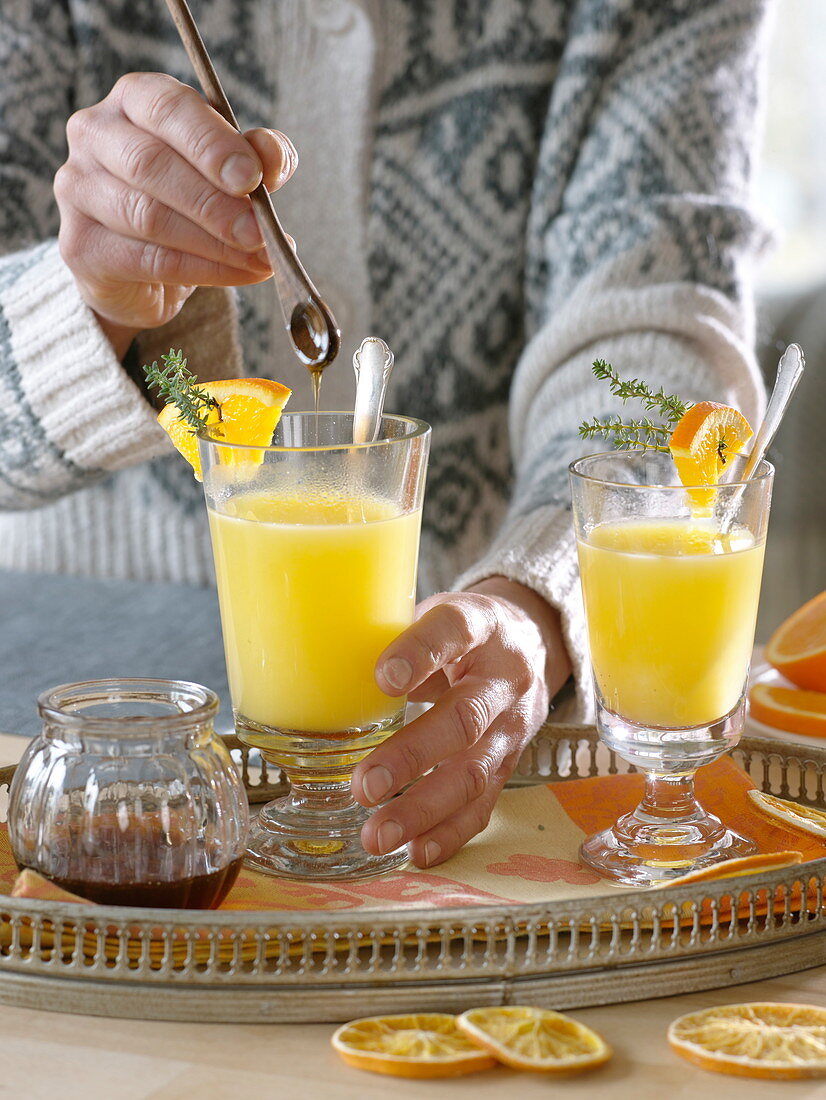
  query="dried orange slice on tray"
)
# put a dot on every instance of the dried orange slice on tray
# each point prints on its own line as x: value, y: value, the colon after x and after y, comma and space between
x: 418, y: 1045
x: 535, y: 1039
x: 798, y: 646
x: 247, y: 411
x: 761, y: 1039
x: 806, y: 818
x: 790, y: 709
x: 732, y: 868
x: 704, y: 440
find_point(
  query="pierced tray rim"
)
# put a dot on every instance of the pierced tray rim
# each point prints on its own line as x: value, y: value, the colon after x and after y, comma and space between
x: 612, y: 905
x: 328, y: 965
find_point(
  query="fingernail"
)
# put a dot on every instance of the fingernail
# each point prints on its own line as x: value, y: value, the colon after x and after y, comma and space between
x: 245, y: 231
x: 398, y: 672
x: 389, y: 837
x: 289, y: 156
x: 240, y: 174
x: 432, y: 851
x: 377, y: 782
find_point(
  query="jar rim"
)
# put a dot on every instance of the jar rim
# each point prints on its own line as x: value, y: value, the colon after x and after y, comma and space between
x: 196, y: 705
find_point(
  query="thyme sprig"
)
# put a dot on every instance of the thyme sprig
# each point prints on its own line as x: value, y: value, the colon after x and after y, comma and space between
x: 644, y: 433
x: 178, y: 385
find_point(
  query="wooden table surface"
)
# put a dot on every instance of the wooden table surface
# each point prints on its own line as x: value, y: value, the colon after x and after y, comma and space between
x: 51, y: 1056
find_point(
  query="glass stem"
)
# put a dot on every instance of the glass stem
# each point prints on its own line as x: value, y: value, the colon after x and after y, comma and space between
x: 669, y: 798
x: 321, y: 814
x: 320, y: 798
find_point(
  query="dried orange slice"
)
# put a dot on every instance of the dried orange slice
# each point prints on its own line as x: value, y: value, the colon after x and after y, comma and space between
x: 806, y: 818
x: 731, y: 868
x: 30, y: 884
x: 789, y: 709
x: 248, y: 411
x: 798, y: 646
x: 535, y: 1039
x: 422, y: 1045
x: 705, y: 438
x: 778, y: 1041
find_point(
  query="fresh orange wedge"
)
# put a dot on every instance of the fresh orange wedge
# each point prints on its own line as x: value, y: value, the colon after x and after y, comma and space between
x: 776, y: 1041
x: 535, y: 1039
x: 732, y: 868
x: 789, y: 709
x: 705, y: 438
x: 248, y: 411
x: 423, y: 1045
x: 798, y: 646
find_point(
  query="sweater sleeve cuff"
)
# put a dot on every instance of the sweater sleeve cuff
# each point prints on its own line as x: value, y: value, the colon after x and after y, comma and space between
x: 87, y: 407
x: 539, y: 551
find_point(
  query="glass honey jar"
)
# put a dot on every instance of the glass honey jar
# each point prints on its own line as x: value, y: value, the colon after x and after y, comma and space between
x: 129, y: 797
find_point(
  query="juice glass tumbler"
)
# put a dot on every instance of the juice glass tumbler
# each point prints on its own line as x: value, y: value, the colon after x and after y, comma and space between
x: 671, y: 582
x: 316, y: 543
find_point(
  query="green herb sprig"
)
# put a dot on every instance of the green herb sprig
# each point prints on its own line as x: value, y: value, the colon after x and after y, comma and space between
x: 644, y: 433
x: 177, y: 385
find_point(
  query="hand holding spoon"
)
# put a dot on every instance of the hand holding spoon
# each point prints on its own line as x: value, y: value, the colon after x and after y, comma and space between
x: 312, y: 327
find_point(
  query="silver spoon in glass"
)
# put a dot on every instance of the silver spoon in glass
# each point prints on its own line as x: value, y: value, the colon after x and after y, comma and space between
x: 789, y: 372
x: 372, y: 363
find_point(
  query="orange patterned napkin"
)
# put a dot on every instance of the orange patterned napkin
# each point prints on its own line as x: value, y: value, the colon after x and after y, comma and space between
x: 528, y: 853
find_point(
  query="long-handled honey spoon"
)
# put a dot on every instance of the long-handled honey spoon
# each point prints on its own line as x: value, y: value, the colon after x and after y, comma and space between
x: 312, y: 327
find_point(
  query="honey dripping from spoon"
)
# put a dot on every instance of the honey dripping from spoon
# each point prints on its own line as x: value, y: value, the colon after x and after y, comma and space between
x: 316, y: 340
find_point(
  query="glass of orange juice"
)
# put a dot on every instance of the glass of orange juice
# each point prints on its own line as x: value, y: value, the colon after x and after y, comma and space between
x: 315, y: 542
x: 671, y: 582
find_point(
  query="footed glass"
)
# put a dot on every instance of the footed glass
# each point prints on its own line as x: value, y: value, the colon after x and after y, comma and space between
x: 316, y: 546
x: 671, y: 582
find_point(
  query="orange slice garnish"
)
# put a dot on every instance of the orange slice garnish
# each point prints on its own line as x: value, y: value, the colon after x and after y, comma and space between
x: 421, y: 1045
x: 248, y: 411
x: 798, y: 646
x: 704, y: 440
x: 535, y: 1039
x: 733, y: 868
x: 789, y: 709
x: 775, y: 1041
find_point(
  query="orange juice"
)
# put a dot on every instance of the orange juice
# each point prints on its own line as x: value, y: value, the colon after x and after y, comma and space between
x: 671, y: 607
x: 311, y: 592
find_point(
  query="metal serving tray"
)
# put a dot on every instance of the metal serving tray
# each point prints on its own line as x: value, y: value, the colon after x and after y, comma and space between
x: 245, y: 966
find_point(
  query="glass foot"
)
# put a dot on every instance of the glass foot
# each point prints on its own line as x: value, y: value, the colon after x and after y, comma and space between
x: 296, y: 842
x: 640, y: 852
x: 315, y: 831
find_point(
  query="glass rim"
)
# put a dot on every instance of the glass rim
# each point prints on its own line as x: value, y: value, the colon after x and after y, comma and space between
x: 765, y: 470
x: 54, y: 704
x: 420, y: 428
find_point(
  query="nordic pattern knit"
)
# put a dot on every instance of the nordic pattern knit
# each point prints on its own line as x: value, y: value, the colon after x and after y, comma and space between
x: 526, y: 185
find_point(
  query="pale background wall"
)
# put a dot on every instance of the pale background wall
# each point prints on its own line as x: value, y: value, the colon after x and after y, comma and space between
x: 791, y: 192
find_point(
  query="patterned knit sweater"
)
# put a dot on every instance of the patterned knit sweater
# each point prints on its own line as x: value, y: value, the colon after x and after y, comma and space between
x: 502, y: 189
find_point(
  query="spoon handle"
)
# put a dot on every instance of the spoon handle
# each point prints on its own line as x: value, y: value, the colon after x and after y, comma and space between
x: 789, y: 372
x: 294, y: 287
x: 372, y: 363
